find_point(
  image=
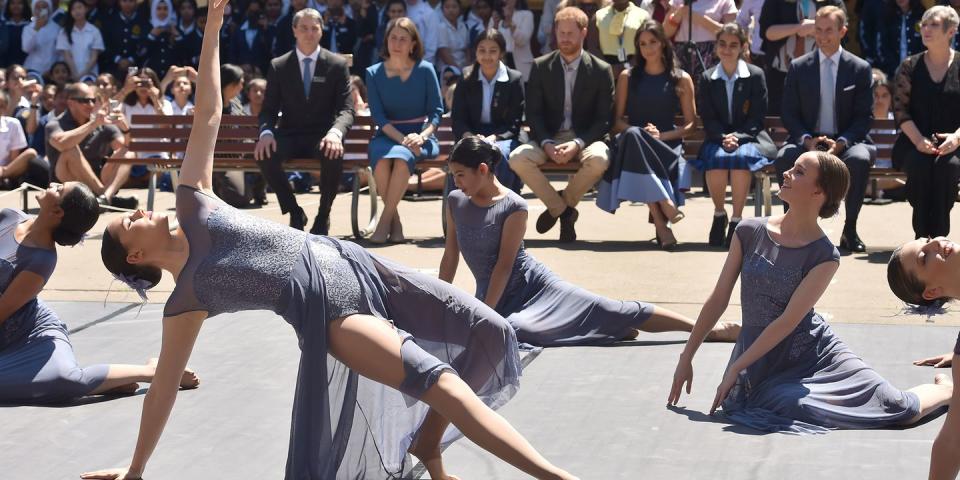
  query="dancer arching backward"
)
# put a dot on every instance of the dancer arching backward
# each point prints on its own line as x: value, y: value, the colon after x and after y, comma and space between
x: 926, y: 273
x: 788, y: 371
x: 37, y: 364
x: 489, y: 221
x: 399, y: 329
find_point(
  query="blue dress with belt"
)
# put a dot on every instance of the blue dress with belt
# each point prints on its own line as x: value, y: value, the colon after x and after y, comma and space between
x: 408, y: 106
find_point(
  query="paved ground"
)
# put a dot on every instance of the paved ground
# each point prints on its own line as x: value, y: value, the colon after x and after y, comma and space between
x: 596, y: 411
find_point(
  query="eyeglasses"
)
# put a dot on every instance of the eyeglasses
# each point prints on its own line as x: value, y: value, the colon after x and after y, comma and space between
x: 86, y: 100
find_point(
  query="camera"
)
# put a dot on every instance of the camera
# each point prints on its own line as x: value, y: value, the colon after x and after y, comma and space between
x: 823, y: 146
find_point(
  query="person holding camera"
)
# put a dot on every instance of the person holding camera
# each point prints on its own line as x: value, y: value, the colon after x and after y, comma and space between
x: 40, y: 39
x: 81, y: 139
x: 828, y: 106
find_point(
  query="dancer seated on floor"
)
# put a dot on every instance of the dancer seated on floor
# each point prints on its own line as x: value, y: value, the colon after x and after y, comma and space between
x: 925, y: 274
x: 410, y: 336
x: 37, y: 364
x: 488, y: 222
x: 788, y: 371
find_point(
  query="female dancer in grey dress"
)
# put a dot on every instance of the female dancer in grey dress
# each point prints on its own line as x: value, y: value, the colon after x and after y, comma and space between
x: 37, y: 364
x: 925, y: 273
x: 788, y: 371
x: 355, y: 314
x: 489, y: 222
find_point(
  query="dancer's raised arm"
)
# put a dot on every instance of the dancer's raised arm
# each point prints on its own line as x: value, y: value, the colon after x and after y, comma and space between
x: 197, y: 168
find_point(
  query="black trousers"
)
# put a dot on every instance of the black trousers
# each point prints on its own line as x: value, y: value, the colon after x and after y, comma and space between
x: 302, y: 146
x: 857, y: 157
x: 931, y: 191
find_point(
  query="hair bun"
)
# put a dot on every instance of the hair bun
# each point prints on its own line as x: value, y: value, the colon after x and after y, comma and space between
x: 67, y: 238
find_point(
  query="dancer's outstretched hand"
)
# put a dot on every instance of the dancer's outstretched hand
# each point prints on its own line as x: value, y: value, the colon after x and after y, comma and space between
x: 729, y: 380
x: 939, y: 361
x: 683, y: 374
x: 112, y: 474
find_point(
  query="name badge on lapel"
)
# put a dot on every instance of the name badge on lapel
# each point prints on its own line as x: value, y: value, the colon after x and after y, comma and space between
x: 319, y: 79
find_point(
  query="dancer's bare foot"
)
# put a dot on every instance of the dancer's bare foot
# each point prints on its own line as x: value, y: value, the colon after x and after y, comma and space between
x: 432, y: 460
x: 128, y: 389
x: 189, y: 380
x: 631, y: 335
x: 724, y: 332
x: 396, y: 231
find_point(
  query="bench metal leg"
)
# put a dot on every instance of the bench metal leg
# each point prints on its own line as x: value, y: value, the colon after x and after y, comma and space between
x: 757, y: 196
x: 767, y: 197
x: 152, y: 189
x: 359, y: 233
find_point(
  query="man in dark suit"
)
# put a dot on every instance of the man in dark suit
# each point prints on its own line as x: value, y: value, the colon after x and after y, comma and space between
x: 569, y: 109
x: 311, y: 86
x: 828, y: 105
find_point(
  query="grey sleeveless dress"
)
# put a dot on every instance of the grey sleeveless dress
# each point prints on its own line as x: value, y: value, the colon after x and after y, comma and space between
x: 811, y: 381
x: 37, y: 364
x: 344, y: 426
x: 544, y: 309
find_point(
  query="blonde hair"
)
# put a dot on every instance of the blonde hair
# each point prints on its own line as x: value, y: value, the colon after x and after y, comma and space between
x: 832, y: 11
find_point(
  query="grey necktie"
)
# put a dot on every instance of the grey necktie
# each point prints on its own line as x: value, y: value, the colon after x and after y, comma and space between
x: 306, y: 76
x: 828, y: 91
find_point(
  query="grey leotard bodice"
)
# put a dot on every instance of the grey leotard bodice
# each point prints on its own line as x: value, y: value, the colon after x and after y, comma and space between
x: 479, y: 231
x: 15, y: 259
x: 241, y: 262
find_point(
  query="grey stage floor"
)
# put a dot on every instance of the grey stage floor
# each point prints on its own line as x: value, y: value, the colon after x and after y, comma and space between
x: 599, y: 412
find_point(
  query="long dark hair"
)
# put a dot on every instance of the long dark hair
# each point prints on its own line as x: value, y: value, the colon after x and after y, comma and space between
x: 26, y: 10
x: 131, y: 98
x: 472, y: 151
x: 68, y: 22
x: 114, y: 256
x: 80, y: 213
x: 669, y: 60
x: 493, y: 35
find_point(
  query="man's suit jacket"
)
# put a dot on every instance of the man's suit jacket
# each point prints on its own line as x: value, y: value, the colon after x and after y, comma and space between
x: 749, y: 109
x: 329, y: 106
x: 592, y: 98
x: 853, y: 100
x: 506, y: 111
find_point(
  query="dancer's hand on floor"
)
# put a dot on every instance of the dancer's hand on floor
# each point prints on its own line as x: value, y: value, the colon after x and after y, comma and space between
x: 112, y: 474
x: 729, y: 380
x: 939, y: 361
x: 683, y: 374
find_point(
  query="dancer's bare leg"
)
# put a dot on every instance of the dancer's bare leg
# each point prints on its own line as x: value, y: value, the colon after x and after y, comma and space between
x: 123, y: 378
x: 932, y: 396
x: 372, y: 348
x: 427, y: 445
x: 664, y: 320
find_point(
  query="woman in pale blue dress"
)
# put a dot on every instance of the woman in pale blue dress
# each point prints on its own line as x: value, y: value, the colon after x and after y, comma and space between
x: 389, y: 357
x: 406, y: 105
x: 788, y: 371
x: 489, y: 221
x: 37, y: 363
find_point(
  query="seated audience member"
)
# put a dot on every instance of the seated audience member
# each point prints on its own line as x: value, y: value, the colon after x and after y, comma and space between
x: 406, y: 105
x: 927, y: 109
x: 81, y: 139
x: 515, y: 23
x: 339, y: 30
x: 617, y: 26
x: 80, y: 42
x: 359, y: 93
x: 255, y: 91
x: 39, y: 39
x: 17, y: 162
x: 787, y: 31
x: 107, y: 86
x: 59, y: 74
x: 732, y: 102
x: 565, y: 127
x: 883, y: 109
x: 899, y: 33
x: 828, y: 106
x: 16, y: 17
x: 188, y: 38
x: 648, y: 147
x: 489, y: 103
x: 161, y: 41
x: 708, y: 17
x: 453, y: 42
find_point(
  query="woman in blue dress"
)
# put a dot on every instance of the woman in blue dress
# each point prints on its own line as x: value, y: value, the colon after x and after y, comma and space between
x: 647, y: 153
x: 732, y: 102
x: 788, y: 371
x: 925, y: 274
x: 37, y: 364
x: 388, y: 356
x: 406, y: 105
x: 489, y: 222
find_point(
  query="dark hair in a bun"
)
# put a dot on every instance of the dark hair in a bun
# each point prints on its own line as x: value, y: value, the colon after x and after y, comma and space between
x: 80, y: 213
x: 472, y: 151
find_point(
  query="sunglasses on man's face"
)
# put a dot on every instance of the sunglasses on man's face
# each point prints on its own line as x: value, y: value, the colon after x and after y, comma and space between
x: 86, y: 100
